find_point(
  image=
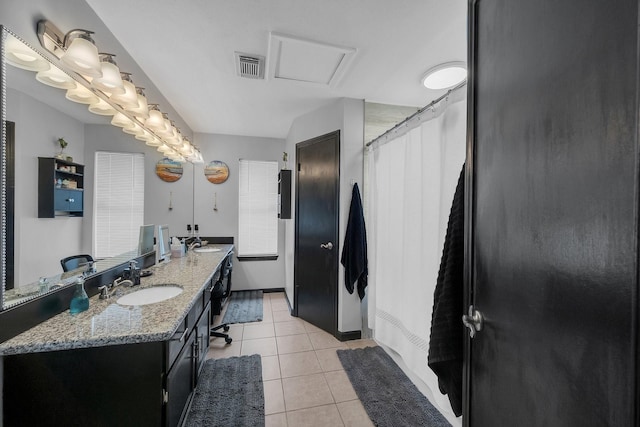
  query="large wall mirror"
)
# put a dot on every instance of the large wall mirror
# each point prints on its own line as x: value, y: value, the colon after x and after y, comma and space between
x: 34, y: 115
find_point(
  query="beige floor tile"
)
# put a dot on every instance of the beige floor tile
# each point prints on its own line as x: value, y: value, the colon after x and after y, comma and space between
x: 297, y: 364
x: 279, y: 305
x: 328, y: 359
x: 267, y: 316
x: 293, y: 344
x: 273, y: 397
x: 276, y: 420
x: 282, y: 316
x: 219, y: 349
x: 261, y: 346
x: 322, y: 340
x: 306, y: 392
x: 311, y: 328
x: 353, y: 414
x: 321, y: 416
x: 270, y: 368
x: 289, y: 328
x: 266, y: 305
x: 340, y: 386
x: 256, y: 330
x: 361, y: 343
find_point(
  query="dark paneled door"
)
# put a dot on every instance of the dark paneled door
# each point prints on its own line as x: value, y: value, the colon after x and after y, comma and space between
x: 552, y: 246
x: 316, y: 247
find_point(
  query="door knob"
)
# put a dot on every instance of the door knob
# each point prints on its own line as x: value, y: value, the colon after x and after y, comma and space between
x: 327, y: 245
x: 473, y: 321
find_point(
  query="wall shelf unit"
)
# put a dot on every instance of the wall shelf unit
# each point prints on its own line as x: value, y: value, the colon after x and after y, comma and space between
x: 60, y: 188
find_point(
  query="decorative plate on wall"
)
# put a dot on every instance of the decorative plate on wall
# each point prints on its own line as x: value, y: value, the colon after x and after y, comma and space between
x: 169, y: 170
x: 216, y: 172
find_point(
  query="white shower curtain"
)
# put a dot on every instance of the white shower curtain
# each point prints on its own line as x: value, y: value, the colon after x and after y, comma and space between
x: 410, y: 185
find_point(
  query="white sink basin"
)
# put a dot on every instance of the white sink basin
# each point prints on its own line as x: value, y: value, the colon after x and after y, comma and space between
x: 207, y: 250
x: 150, y: 295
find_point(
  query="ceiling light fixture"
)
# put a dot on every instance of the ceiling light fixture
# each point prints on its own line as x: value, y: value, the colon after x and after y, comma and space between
x: 445, y: 76
x: 95, y: 79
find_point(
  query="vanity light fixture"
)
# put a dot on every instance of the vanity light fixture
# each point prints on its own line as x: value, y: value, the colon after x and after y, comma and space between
x: 22, y: 56
x: 129, y: 98
x: 93, y: 82
x: 110, y: 82
x: 81, y: 95
x: 445, y: 76
x: 55, y: 77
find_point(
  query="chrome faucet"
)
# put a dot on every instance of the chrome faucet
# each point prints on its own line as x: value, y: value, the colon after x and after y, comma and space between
x: 107, y: 291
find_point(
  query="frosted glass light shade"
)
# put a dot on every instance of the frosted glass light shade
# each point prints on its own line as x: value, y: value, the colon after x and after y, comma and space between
x: 55, y: 77
x: 144, y: 135
x: 186, y: 149
x: 121, y: 120
x: 128, y: 99
x: 445, y: 76
x: 102, y: 108
x: 141, y: 111
x: 134, y: 129
x: 154, y: 142
x: 82, y: 56
x: 22, y: 56
x: 155, y: 122
x: 110, y: 82
x: 81, y: 95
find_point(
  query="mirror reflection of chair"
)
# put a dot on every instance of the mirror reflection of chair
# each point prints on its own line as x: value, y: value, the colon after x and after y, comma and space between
x: 75, y: 261
x: 220, y: 294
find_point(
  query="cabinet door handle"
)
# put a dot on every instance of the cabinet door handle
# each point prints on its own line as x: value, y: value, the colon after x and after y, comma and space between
x: 184, y: 334
x: 70, y: 200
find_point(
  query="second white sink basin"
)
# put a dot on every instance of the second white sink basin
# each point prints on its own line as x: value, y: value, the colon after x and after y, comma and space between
x: 150, y: 295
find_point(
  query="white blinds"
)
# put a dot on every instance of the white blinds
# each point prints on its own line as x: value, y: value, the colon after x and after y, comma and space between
x: 258, y: 208
x: 118, y: 202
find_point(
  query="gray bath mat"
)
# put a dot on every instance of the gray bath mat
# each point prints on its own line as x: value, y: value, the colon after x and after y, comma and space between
x: 244, y: 307
x: 387, y: 394
x: 229, y: 393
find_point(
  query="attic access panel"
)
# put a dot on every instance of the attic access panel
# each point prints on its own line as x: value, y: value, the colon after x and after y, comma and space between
x: 308, y: 61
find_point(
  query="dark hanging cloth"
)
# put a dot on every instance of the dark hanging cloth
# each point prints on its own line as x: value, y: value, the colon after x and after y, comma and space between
x: 354, y: 251
x: 447, y: 331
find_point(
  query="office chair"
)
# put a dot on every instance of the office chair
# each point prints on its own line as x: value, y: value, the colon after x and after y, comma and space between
x: 75, y: 261
x: 219, y: 296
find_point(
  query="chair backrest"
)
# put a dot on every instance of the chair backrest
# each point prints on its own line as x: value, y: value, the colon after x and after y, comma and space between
x: 75, y: 261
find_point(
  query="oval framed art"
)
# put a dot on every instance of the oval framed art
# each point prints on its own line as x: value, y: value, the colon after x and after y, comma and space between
x: 216, y: 172
x: 169, y: 170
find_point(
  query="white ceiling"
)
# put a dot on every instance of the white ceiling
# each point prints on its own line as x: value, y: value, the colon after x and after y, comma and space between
x: 186, y: 47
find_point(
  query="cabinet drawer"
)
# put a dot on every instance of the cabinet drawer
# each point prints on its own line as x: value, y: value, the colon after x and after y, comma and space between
x: 180, y: 384
x: 176, y: 343
x: 194, y: 313
x: 202, y: 340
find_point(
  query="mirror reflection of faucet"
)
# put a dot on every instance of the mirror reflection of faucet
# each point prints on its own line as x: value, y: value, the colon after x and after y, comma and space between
x: 109, y: 290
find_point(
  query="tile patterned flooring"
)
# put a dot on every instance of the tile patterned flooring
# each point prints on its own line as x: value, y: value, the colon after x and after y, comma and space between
x: 304, y: 382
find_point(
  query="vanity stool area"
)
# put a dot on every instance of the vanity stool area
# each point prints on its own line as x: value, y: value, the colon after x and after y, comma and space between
x: 118, y: 365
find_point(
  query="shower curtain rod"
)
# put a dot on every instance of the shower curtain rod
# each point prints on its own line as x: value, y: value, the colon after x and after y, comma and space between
x: 420, y: 111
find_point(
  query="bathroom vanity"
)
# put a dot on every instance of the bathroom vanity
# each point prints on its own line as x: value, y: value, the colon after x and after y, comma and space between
x: 115, y: 364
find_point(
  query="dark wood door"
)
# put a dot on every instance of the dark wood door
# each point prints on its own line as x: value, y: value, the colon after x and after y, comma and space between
x: 552, y: 187
x: 316, y: 248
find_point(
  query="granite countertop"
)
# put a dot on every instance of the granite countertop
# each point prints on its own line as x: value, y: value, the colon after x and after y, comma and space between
x: 107, y: 323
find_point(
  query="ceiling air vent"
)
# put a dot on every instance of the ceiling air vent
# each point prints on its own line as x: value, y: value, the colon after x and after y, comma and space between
x: 250, y: 66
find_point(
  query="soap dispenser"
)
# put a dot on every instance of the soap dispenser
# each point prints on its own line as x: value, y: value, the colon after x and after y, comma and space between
x: 80, y: 300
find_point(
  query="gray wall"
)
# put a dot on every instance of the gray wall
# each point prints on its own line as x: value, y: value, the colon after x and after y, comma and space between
x: 346, y: 115
x: 224, y: 221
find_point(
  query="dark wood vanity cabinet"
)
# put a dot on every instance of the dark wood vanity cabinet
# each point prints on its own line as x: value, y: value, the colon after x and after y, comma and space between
x: 144, y: 384
x: 60, y: 188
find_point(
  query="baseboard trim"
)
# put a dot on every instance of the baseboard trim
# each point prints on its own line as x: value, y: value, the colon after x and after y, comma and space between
x: 349, y: 336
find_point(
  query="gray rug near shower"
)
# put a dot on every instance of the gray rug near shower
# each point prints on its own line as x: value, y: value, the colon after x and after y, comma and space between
x: 387, y: 394
x: 229, y: 393
x: 244, y: 307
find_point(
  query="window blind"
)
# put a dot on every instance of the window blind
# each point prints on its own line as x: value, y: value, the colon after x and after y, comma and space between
x: 258, y: 208
x: 118, y: 202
